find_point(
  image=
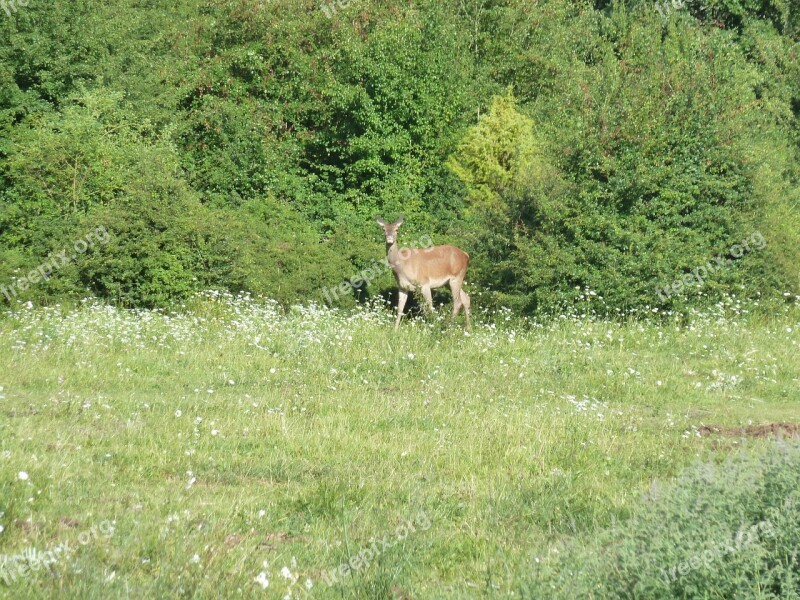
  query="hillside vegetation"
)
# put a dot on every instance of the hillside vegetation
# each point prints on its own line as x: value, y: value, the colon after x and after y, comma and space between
x: 570, y: 146
x: 202, y: 396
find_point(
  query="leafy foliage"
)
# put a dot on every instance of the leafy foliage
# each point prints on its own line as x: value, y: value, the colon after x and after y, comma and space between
x: 723, y: 530
x: 569, y: 146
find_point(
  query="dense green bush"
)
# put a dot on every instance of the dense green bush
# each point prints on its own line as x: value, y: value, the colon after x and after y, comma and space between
x: 270, y: 249
x: 670, y: 159
x: 249, y: 145
x: 161, y: 252
x: 89, y: 166
x: 727, y: 530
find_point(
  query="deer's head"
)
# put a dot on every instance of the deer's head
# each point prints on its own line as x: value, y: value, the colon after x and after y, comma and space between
x: 390, y: 229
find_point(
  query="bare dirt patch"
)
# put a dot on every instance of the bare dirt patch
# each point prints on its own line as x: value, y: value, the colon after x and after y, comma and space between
x: 768, y: 430
x: 69, y: 522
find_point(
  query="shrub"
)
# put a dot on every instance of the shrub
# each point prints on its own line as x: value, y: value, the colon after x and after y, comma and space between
x: 599, y: 186
x: 726, y: 530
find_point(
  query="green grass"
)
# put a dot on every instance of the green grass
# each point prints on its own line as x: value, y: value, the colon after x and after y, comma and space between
x: 237, y: 439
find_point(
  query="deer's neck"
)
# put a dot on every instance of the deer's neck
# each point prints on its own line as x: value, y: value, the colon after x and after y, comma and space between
x: 392, y: 253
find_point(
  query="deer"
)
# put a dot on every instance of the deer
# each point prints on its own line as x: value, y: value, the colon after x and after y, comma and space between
x: 425, y: 269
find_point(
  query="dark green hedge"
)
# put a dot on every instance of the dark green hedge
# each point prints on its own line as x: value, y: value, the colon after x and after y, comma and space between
x: 249, y: 145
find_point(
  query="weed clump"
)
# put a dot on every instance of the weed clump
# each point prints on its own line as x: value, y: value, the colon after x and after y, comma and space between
x: 722, y: 530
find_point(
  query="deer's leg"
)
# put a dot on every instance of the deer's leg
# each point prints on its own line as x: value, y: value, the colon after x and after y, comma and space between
x: 426, y: 293
x: 401, y: 303
x: 455, y: 289
x: 465, y: 301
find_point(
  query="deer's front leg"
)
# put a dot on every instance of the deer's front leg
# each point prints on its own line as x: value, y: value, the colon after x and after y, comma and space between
x: 402, y: 296
x: 426, y: 293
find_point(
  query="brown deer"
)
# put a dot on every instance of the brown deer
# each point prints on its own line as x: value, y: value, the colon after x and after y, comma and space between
x: 426, y: 269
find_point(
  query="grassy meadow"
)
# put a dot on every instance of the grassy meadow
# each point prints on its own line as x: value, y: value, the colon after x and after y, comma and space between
x: 238, y: 450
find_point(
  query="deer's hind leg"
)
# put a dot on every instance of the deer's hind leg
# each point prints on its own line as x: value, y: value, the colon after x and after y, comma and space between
x: 458, y: 300
x: 467, y: 308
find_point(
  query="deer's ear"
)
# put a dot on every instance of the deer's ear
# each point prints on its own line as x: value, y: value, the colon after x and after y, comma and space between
x: 399, y: 221
x: 380, y: 221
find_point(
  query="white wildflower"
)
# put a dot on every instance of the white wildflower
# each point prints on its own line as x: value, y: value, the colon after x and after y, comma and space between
x: 262, y: 580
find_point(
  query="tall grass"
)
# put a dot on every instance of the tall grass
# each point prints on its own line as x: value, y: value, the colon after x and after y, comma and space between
x: 239, y: 449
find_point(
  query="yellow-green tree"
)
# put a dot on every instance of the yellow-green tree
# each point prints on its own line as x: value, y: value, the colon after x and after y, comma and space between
x: 510, y: 187
x: 499, y: 160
